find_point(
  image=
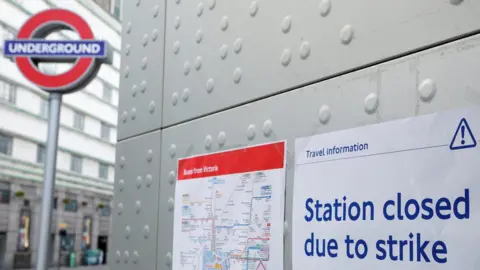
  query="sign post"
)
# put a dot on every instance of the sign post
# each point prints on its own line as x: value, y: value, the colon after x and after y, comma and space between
x: 31, y: 48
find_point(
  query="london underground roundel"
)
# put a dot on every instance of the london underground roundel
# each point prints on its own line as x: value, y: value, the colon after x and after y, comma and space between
x: 30, y: 48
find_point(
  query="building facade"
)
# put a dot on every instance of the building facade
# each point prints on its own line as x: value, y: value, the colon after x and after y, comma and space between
x: 86, y: 156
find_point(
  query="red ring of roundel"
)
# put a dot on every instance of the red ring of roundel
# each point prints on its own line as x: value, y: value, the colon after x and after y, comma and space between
x: 69, y: 77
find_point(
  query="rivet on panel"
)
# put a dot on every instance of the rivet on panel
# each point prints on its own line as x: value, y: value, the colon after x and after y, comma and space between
x: 154, y: 34
x: 199, y: 36
x: 148, y: 180
x: 456, y: 2
x: 122, y: 161
x: 171, y: 177
x: 324, y: 114
x: 139, y: 181
x: 427, y: 90
x: 251, y: 132
x: 120, y: 208
x: 371, y: 103
x: 146, y: 231
x: 346, y: 35
x: 198, y: 63
x: 210, y: 85
x: 186, y: 68
x: 138, y: 206
x: 128, y: 28
x: 286, y: 57
x: 126, y: 71
x: 186, y: 94
x: 174, y: 98
x: 121, y: 184
x: 136, y: 257
x: 177, y: 1
x: 325, y: 6
x: 253, y: 8
x: 267, y: 128
x: 305, y: 50
x: 237, y: 75
x: 176, y: 47
x: 200, y: 9
x: 133, y: 114
x: 124, y: 116
x: 126, y: 255
x: 151, y: 106
x: 224, y: 23
x: 171, y: 204
x: 223, y: 51
x: 173, y: 150
x: 237, y: 46
x: 127, y: 232
x: 138, y: 3
x: 168, y: 259
x: 286, y: 24
x: 128, y: 47
x: 208, y: 142
x: 118, y: 255
x: 222, y: 137
x: 177, y: 22
x: 149, y: 155
x: 143, y: 86
x: 134, y: 90
x: 212, y: 4
x: 156, y: 10
x: 144, y: 62
x: 145, y: 40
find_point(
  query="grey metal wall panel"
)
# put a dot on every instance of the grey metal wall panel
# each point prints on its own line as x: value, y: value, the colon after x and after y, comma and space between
x: 140, y: 105
x: 134, y: 235
x: 222, y: 53
x: 435, y: 80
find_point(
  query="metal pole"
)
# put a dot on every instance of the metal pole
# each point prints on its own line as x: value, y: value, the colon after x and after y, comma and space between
x: 54, y: 104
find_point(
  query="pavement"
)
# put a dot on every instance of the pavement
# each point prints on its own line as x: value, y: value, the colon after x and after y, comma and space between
x: 91, y: 267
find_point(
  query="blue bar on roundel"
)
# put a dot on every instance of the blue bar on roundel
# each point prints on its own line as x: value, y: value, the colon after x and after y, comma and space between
x: 55, y: 48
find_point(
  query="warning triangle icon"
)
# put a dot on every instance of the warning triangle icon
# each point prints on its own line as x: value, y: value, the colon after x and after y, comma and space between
x: 463, y: 137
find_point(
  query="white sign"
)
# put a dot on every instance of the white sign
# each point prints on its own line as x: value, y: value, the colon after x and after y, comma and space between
x: 230, y: 210
x: 397, y: 195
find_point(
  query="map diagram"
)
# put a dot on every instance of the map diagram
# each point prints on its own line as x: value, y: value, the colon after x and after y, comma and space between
x: 225, y: 222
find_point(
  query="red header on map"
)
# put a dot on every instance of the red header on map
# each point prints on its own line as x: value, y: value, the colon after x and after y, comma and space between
x: 256, y: 158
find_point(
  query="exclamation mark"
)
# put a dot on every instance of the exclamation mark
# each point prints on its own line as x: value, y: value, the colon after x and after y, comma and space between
x: 463, y: 134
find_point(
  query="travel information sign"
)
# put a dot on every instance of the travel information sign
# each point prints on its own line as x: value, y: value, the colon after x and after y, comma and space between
x: 398, y: 195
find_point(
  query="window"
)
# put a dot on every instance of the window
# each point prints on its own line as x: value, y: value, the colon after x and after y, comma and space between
x: 107, y: 93
x: 105, y: 4
x: 105, y: 132
x: 4, y: 193
x: 44, y: 108
x: 6, y: 144
x: 105, y: 211
x: 117, y: 9
x: 40, y: 153
x: 55, y: 203
x: 78, y: 120
x: 103, y: 171
x: 70, y: 206
x: 23, y: 243
x: 87, y: 232
x: 6, y: 32
x: 8, y: 92
x: 67, y: 242
x: 76, y: 164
